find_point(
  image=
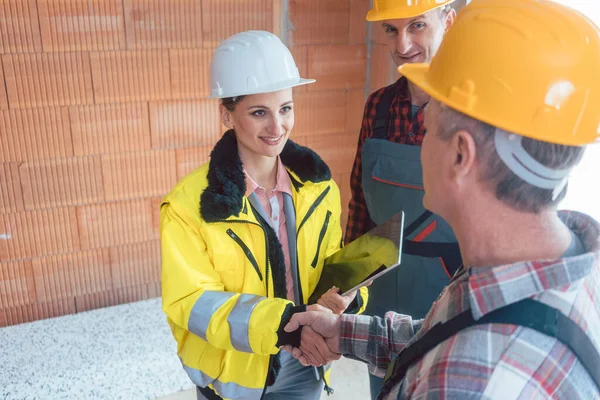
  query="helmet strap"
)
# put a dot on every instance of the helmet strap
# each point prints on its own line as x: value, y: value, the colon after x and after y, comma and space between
x: 510, y: 149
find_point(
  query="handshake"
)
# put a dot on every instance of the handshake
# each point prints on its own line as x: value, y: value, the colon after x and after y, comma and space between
x: 320, y: 324
x: 320, y: 336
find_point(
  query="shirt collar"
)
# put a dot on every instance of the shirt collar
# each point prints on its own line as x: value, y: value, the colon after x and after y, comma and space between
x: 283, y: 183
x: 402, y: 91
x: 491, y: 288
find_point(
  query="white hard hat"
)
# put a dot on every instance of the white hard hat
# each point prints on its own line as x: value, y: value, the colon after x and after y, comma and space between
x: 252, y: 62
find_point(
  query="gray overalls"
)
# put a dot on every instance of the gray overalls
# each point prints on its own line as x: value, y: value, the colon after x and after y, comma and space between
x: 392, y: 180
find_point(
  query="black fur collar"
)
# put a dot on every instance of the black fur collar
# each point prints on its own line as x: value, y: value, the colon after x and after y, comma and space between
x: 227, y: 185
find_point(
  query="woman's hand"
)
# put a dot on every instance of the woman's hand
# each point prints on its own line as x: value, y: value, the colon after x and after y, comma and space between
x: 334, y: 301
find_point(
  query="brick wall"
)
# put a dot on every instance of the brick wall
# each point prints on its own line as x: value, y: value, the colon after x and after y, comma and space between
x: 103, y: 109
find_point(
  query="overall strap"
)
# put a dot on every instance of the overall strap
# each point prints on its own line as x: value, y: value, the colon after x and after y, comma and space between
x: 382, y: 113
x: 528, y: 313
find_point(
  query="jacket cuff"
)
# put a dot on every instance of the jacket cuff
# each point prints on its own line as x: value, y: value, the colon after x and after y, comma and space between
x: 356, y: 305
x: 289, y: 338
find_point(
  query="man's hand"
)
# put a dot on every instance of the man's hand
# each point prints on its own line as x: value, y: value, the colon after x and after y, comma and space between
x: 320, y: 336
x: 333, y: 300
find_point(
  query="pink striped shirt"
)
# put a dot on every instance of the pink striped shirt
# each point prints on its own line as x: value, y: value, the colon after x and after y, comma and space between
x: 272, y: 203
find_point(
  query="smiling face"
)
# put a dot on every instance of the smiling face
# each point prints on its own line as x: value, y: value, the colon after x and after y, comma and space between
x: 262, y: 123
x: 416, y: 40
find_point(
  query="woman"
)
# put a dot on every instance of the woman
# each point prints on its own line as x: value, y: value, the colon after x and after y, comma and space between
x: 244, y: 236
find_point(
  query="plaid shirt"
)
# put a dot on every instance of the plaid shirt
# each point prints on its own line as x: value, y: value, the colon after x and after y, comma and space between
x: 495, y: 361
x: 401, y: 130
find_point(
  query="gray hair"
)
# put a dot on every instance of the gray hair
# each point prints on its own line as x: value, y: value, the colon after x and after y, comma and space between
x: 509, y: 188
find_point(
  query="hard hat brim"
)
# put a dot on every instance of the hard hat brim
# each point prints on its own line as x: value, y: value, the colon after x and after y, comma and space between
x: 417, y: 74
x: 374, y: 16
x: 265, y: 89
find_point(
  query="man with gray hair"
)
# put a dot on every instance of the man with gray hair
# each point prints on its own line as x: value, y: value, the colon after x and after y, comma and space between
x: 522, y: 319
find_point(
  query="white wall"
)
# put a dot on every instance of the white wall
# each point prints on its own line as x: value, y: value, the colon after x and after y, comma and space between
x: 584, y: 186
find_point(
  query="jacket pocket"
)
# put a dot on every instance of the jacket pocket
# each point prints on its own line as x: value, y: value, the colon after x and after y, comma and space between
x: 321, y: 237
x: 246, y: 251
x: 398, y: 172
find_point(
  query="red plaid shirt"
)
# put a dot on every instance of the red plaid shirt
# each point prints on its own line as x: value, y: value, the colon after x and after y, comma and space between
x: 494, y: 361
x: 402, y: 129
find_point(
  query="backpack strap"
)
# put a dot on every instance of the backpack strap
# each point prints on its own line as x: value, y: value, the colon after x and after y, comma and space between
x: 382, y: 113
x: 527, y: 313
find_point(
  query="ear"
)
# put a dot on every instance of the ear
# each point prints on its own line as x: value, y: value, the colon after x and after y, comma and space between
x: 465, y: 153
x: 226, y: 117
x: 449, y: 20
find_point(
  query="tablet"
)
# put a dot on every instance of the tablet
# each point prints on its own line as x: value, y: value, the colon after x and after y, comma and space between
x: 365, y: 259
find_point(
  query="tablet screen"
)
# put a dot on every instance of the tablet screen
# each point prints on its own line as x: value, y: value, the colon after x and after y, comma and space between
x: 359, y: 261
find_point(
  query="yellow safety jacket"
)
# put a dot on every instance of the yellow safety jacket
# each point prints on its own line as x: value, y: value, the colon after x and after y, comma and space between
x: 223, y: 274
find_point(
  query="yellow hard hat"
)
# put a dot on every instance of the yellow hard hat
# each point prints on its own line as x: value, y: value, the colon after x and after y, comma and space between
x: 397, y: 9
x: 530, y: 67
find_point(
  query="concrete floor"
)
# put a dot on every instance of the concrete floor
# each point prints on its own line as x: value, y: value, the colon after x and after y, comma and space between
x: 348, y: 377
x: 123, y: 352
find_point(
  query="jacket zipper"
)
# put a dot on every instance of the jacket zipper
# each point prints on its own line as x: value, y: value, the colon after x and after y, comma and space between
x: 266, y: 244
x: 321, y: 237
x: 246, y: 251
x: 260, y: 222
x: 314, y: 206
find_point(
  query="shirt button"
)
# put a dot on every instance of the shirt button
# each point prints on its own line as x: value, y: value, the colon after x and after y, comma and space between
x: 276, y: 218
x: 411, y: 134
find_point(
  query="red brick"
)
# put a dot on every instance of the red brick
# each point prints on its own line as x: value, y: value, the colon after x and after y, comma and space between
x: 37, y: 311
x: 155, y: 205
x: 337, y: 67
x: 223, y: 18
x: 163, y: 23
x: 190, y: 70
x: 68, y: 275
x: 17, y: 286
x: 300, y: 54
x: 184, y: 123
x: 19, y: 27
x: 154, y: 290
x: 126, y: 76
x: 38, y: 233
x: 320, y: 22
x: 355, y: 104
x: 140, y: 174
x: 382, y: 68
x: 3, y: 98
x: 110, y: 298
x: 318, y: 113
x: 11, y: 196
x: 358, y: 22
x: 301, y: 140
x: 33, y: 134
x: 135, y: 264
x: 61, y: 182
x: 110, y: 128
x: 337, y: 151
x: 116, y: 223
x: 47, y: 79
x: 80, y: 25
x: 190, y: 158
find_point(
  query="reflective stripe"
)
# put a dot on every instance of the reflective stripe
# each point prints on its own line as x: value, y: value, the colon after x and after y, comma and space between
x: 205, y: 307
x: 198, y: 377
x: 239, y: 319
x: 224, y: 389
x: 232, y: 390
